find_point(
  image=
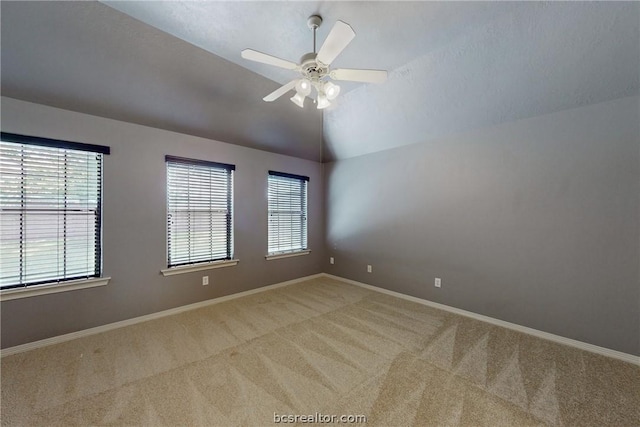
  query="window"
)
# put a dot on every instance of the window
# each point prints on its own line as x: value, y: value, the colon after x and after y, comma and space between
x: 199, y: 211
x: 287, y: 213
x: 50, y: 211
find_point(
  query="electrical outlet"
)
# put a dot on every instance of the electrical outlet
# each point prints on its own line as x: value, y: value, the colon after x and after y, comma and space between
x: 369, y: 269
x: 438, y: 282
x: 205, y: 280
x: 331, y: 260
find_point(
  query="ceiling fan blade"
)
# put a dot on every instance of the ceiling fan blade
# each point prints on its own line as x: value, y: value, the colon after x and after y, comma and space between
x: 340, y: 36
x: 280, y: 91
x: 254, y: 55
x: 366, y: 76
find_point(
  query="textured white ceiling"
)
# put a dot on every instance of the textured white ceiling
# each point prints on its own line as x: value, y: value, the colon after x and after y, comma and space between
x: 454, y: 66
x: 87, y: 57
x: 388, y: 34
x: 537, y: 59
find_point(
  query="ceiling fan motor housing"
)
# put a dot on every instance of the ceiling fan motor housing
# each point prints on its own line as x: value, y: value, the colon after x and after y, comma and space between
x: 312, y: 69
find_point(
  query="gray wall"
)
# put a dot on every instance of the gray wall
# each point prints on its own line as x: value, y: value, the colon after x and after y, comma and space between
x: 135, y: 225
x: 535, y: 222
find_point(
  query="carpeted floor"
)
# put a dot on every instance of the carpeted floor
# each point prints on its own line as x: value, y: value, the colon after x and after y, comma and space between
x: 321, y: 346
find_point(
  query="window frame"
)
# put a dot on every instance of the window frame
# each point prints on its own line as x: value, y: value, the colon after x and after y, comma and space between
x: 227, y: 261
x: 62, y: 283
x: 279, y: 254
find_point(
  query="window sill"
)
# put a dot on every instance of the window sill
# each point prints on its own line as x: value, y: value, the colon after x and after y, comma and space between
x: 198, y: 267
x: 32, y: 291
x: 287, y: 255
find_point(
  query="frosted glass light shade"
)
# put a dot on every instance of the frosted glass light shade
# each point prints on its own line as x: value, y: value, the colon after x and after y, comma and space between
x: 323, y: 102
x: 303, y: 87
x: 298, y: 99
x: 331, y: 90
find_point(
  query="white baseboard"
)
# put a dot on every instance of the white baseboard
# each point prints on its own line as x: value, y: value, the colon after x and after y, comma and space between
x: 530, y: 331
x: 603, y: 351
x: 108, y: 327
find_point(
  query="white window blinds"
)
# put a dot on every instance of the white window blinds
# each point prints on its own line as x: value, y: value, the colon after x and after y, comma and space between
x: 50, y: 210
x: 287, y: 213
x: 199, y: 211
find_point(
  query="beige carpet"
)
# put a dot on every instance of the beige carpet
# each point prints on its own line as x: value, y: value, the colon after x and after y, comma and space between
x: 320, y: 346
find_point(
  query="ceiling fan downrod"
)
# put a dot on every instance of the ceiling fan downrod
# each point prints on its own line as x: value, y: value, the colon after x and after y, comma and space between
x: 313, y: 23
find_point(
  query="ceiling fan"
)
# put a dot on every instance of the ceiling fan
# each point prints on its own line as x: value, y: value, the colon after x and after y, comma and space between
x: 314, y: 67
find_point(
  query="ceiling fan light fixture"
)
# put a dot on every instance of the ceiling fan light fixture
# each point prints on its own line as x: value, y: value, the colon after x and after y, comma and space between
x: 315, y: 66
x: 303, y: 87
x: 323, y: 102
x: 331, y: 90
x: 298, y: 99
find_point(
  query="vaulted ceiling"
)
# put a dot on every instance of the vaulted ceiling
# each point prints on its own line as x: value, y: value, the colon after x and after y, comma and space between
x: 452, y: 67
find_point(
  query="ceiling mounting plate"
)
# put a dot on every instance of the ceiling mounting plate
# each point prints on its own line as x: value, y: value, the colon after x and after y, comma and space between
x: 314, y: 21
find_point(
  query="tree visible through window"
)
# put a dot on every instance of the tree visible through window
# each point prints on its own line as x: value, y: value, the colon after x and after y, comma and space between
x: 199, y: 211
x: 50, y: 210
